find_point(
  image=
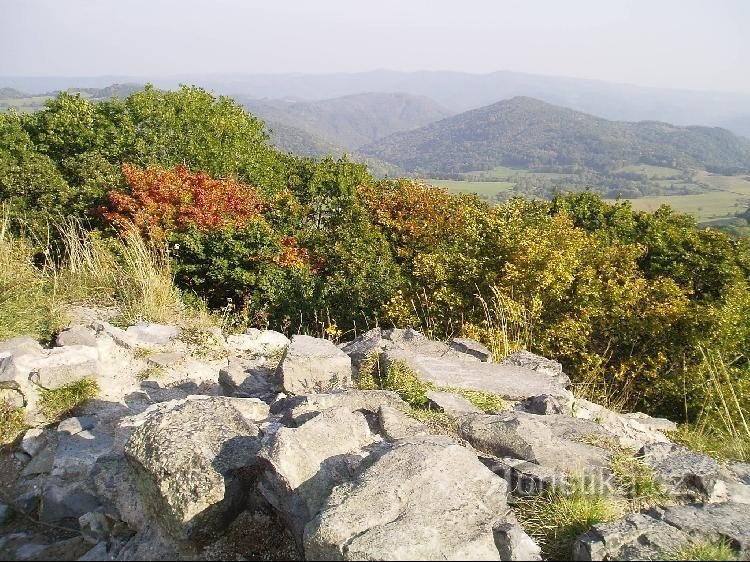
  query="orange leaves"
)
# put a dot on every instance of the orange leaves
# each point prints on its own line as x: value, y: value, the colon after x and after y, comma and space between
x: 165, y: 201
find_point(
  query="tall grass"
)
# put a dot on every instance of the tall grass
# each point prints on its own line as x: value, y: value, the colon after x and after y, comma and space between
x: 721, y: 429
x: 508, y: 326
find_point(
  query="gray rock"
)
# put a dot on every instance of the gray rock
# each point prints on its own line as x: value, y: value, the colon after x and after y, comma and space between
x: 29, y: 501
x: 298, y: 409
x: 688, y: 476
x: 544, y: 405
x: 314, y: 365
x: 537, y: 439
x: 657, y: 424
x: 95, y: 526
x: 248, y: 380
x: 62, y: 500
x: 539, y: 364
x: 74, y: 425
x: 12, y: 397
x: 4, y: 514
x: 192, y: 459
x: 117, y: 491
x: 472, y: 347
x: 68, y: 549
x: 526, y: 478
x: 97, y: 552
x: 76, y: 335
x: 64, y: 365
x: 21, y: 346
x: 507, y: 381
x: 740, y: 470
x: 635, y: 537
x: 150, y: 543
x: 630, y: 431
x: 149, y: 333
x: 424, y: 498
x: 451, y: 403
x: 395, y: 424
x: 42, y: 462
x: 513, y: 544
x: 75, y: 455
x: 258, y: 342
x: 301, y: 465
x: 714, y: 521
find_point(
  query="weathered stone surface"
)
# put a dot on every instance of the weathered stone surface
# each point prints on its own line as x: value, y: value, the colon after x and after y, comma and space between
x: 525, y: 478
x: 314, y: 365
x: 513, y: 544
x: 545, y: 405
x: 149, y: 333
x: 635, y: 537
x: 424, y: 498
x: 75, y: 455
x: 472, y: 347
x: 258, y: 342
x: 508, y: 381
x: 21, y: 346
x: 190, y: 458
x: 298, y: 409
x: 62, y: 500
x: 395, y: 424
x: 657, y: 424
x: 4, y: 514
x: 630, y: 431
x: 715, y: 521
x: 12, y: 397
x: 117, y: 491
x: 68, y: 549
x: 688, y: 476
x: 64, y: 365
x: 451, y: 403
x: 74, y: 425
x: 539, y: 364
x: 248, y: 380
x: 77, y: 335
x: 95, y: 526
x: 301, y: 465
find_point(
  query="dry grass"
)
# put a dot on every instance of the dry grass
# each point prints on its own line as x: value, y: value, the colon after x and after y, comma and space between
x: 508, y: 326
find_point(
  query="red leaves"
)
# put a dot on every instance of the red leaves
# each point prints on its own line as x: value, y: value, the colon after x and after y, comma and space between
x: 164, y: 201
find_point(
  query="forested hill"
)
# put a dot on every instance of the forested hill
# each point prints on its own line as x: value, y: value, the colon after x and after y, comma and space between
x: 528, y: 133
x: 350, y: 121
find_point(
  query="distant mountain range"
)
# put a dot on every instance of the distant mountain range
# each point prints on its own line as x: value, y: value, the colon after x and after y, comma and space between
x: 530, y: 134
x: 457, y: 91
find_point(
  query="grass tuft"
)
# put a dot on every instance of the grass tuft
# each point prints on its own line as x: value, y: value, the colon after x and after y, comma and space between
x: 556, y: 517
x: 59, y: 402
x: 704, y: 550
x: 12, y: 423
x: 437, y: 422
x: 637, y: 480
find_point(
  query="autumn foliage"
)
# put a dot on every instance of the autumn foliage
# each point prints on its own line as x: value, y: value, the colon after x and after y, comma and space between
x: 164, y: 201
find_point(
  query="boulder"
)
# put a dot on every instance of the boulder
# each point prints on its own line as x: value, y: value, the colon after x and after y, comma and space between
x: 539, y: 364
x: 192, y: 460
x: 151, y: 334
x: 243, y: 379
x: 21, y: 346
x: 545, y: 405
x: 525, y: 478
x: 472, y: 347
x: 77, y: 335
x: 514, y: 544
x: 423, y: 498
x: 689, y: 477
x: 296, y: 410
x: 451, y: 403
x: 314, y: 365
x: 258, y: 342
x: 64, y: 500
x: 300, y: 466
x: 632, y: 431
x: 713, y: 521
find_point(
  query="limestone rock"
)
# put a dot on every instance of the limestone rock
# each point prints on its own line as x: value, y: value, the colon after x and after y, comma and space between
x: 243, y: 379
x: 514, y: 544
x: 34, y: 440
x: 544, y: 405
x: 12, y: 397
x: 314, y: 365
x: 191, y: 459
x: 258, y: 342
x: 689, y: 477
x: 451, y: 403
x: 301, y: 465
x: 539, y: 364
x: 424, y: 498
x: 64, y: 365
x: 631, y: 431
x: 395, y: 424
x: 71, y: 426
x: 472, y: 347
x: 77, y: 335
x: 149, y: 333
x: 298, y: 409
x: 715, y: 521
x: 525, y: 478
x: 63, y: 500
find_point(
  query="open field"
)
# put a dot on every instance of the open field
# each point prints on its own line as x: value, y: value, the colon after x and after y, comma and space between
x: 652, y: 172
x: 481, y: 188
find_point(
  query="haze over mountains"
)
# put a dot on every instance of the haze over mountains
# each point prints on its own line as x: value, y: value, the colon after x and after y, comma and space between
x: 457, y: 91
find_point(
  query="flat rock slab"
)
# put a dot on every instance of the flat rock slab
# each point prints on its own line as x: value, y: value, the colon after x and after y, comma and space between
x: 64, y: 365
x: 716, y: 521
x: 508, y: 381
x: 425, y: 498
x: 258, y: 342
x: 451, y: 403
x: 472, y: 347
x: 149, y: 333
x: 296, y: 410
x: 314, y: 365
x: 539, y: 364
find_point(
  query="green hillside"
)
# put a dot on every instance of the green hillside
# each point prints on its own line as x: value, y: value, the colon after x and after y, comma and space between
x: 527, y: 133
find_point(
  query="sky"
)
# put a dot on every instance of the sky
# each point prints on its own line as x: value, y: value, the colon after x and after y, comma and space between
x: 690, y: 44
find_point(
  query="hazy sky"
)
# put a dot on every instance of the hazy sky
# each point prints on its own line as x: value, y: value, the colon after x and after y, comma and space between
x: 699, y: 44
